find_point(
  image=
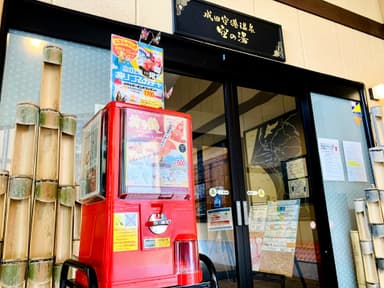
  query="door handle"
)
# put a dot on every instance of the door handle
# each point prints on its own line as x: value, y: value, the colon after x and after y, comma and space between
x: 238, y: 213
x: 245, y: 213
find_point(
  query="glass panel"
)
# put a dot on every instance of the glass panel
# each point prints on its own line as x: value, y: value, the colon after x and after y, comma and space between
x: 154, y: 159
x: 345, y: 172
x: 204, y: 101
x: 84, y: 84
x: 282, y: 227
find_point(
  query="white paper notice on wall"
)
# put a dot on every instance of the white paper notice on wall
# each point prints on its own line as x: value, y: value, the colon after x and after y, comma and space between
x: 354, y: 161
x: 330, y: 159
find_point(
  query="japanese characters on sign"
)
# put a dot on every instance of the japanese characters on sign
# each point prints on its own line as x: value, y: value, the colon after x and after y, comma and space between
x: 222, y: 26
x: 230, y: 28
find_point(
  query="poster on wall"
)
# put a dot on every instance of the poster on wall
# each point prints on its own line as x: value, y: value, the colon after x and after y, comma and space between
x: 136, y: 72
x: 279, y: 241
x: 257, y: 220
x: 330, y: 159
x: 354, y: 161
x: 296, y: 177
x: 220, y: 219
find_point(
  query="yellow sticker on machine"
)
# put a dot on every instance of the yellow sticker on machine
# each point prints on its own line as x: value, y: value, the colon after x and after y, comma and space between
x: 157, y: 242
x: 125, y: 232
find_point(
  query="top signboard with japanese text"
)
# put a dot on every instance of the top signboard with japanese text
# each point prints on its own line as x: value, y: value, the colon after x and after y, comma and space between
x: 225, y: 27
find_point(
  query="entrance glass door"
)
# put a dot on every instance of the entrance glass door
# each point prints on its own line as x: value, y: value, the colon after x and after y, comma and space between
x: 282, y: 228
x: 203, y: 100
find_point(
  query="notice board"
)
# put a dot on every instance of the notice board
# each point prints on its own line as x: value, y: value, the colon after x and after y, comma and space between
x: 275, y: 246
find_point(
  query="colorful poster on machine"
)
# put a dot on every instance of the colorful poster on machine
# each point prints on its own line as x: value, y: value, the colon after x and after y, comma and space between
x: 155, y: 154
x: 137, y: 72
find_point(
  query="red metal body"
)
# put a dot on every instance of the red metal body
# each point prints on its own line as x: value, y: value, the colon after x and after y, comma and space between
x: 122, y: 232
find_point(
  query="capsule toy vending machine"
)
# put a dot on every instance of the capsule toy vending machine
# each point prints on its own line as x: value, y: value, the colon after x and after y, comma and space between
x: 138, y: 218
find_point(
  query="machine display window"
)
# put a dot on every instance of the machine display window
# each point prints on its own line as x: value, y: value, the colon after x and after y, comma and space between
x: 93, y: 160
x: 154, y: 155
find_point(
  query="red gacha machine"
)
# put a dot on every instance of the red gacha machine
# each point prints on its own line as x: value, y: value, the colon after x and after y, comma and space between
x: 138, y: 218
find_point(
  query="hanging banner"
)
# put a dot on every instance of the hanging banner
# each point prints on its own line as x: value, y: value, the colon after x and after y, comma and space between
x: 137, y: 72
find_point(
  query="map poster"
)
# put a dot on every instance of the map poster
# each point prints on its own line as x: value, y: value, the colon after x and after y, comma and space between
x: 272, y: 142
x: 279, y: 243
x: 137, y: 72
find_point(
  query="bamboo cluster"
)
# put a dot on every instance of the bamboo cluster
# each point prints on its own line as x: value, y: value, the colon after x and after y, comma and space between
x: 37, y: 198
x: 368, y: 240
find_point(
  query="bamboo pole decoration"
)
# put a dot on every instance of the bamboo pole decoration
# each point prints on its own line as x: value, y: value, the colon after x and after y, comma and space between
x: 373, y: 206
x: 12, y: 274
x: 362, y: 220
x: 56, y: 275
x: 67, y: 150
x: 17, y: 221
x: 24, y: 152
x: 378, y: 239
x: 40, y: 274
x: 372, y: 285
x: 358, y: 259
x: 378, y: 124
x: 4, y: 175
x: 43, y: 220
x: 48, y: 145
x: 50, y: 87
x: 64, y: 224
x: 75, y: 249
x: 370, y: 269
x: 380, y: 270
x: 377, y: 161
x: 77, y: 215
x: 381, y: 196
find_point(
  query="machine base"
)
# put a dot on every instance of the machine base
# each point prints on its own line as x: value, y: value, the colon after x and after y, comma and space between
x: 209, y: 275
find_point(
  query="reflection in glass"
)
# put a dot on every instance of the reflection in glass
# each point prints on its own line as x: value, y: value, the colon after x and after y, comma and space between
x: 283, y: 239
x: 204, y: 101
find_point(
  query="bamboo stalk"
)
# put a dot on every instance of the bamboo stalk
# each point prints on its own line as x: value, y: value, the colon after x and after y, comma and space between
x: 378, y: 239
x: 370, y: 269
x: 23, y: 160
x: 378, y: 124
x: 362, y: 220
x: 43, y: 220
x: 77, y: 215
x: 373, y: 206
x: 358, y: 259
x: 377, y: 161
x: 12, y: 274
x: 56, y: 275
x: 75, y: 249
x: 48, y: 145
x: 40, y: 273
x: 50, y: 87
x: 67, y: 150
x: 17, y: 219
x: 380, y: 270
x: 4, y: 175
x: 64, y: 224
